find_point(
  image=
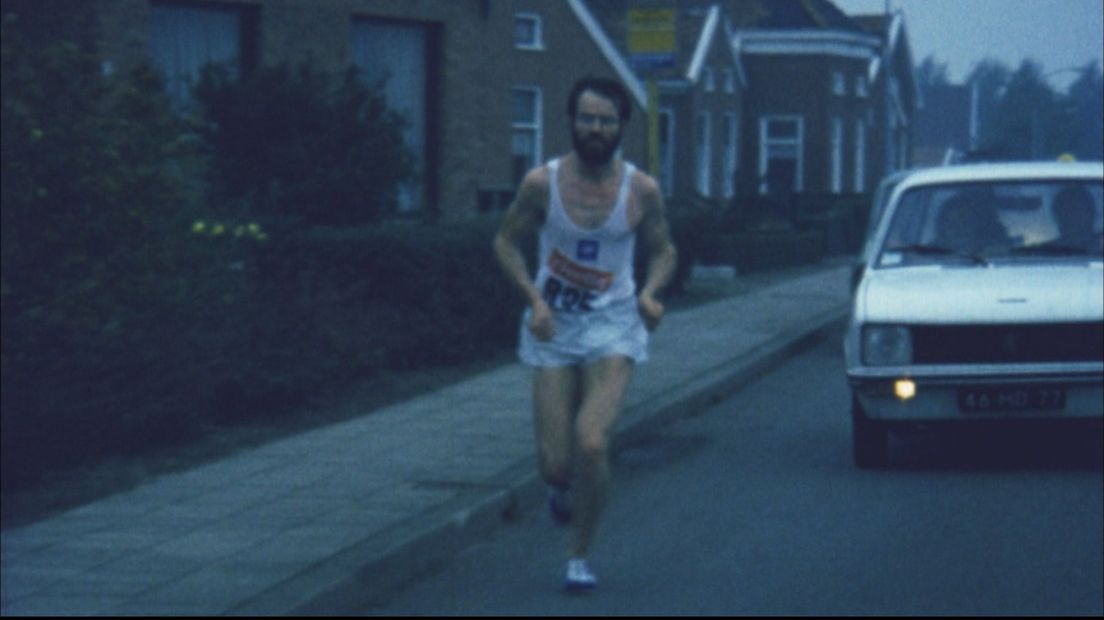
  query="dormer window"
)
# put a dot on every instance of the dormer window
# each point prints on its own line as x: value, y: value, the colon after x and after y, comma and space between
x: 839, y: 85
x: 708, y: 79
x: 729, y: 81
x: 860, y: 86
x: 528, y: 33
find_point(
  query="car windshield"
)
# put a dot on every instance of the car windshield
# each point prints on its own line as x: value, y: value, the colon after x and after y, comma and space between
x: 877, y: 209
x: 979, y: 223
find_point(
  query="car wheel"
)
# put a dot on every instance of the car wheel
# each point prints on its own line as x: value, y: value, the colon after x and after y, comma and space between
x: 870, y: 438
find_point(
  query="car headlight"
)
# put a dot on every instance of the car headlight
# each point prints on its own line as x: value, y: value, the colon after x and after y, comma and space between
x: 886, y: 345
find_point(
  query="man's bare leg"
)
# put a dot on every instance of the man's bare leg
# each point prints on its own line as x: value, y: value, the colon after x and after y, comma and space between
x: 603, y: 389
x: 555, y: 399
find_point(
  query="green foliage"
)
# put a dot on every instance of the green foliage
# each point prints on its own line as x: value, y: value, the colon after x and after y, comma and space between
x: 690, y: 229
x: 1083, y: 118
x: 1022, y: 117
x: 136, y: 311
x: 764, y: 250
x: 397, y: 296
x: 163, y: 277
x: 760, y: 233
x: 94, y: 270
x: 298, y: 144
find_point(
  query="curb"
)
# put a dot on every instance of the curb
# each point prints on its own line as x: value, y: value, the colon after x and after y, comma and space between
x: 365, y: 573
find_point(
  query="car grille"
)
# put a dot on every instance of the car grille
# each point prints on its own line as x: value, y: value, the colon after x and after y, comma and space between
x: 1003, y: 344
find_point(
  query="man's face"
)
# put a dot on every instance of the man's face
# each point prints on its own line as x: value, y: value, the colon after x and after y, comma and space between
x: 596, y: 129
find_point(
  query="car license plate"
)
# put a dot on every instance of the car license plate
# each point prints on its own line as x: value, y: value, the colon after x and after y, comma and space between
x: 1012, y: 398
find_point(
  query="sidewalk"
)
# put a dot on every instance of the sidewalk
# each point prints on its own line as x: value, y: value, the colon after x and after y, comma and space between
x: 322, y: 522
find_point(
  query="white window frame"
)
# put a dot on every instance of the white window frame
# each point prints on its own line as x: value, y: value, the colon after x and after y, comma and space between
x: 667, y: 157
x: 703, y: 151
x: 729, y: 81
x: 860, y: 156
x: 383, y: 49
x: 537, y: 43
x: 535, y: 127
x: 730, y: 157
x: 835, y: 146
x: 839, y: 84
x: 200, y: 35
x: 861, y: 89
x: 766, y: 144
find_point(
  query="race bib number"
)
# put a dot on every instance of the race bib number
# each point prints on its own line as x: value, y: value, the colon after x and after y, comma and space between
x: 565, y: 298
x: 573, y: 287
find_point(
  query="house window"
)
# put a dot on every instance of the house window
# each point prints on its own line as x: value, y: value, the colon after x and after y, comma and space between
x: 184, y: 39
x: 707, y: 77
x: 667, y: 151
x: 860, y: 86
x: 839, y: 85
x: 836, y: 144
x: 860, y: 156
x: 729, y: 81
x: 781, y: 161
x: 890, y: 139
x: 528, y: 32
x: 703, y: 148
x: 395, y: 53
x: 525, y: 117
x: 729, y: 135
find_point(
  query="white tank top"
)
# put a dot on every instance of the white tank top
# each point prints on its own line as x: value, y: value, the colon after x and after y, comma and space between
x: 586, y: 270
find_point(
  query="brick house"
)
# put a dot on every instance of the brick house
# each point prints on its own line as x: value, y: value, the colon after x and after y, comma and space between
x: 483, y: 83
x: 823, y: 103
x: 700, y: 98
x: 810, y: 105
x: 896, y: 95
x: 766, y: 96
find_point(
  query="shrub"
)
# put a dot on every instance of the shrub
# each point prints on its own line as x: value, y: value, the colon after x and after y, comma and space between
x: 396, y: 296
x: 299, y: 144
x: 763, y: 250
x: 690, y: 227
x: 95, y: 192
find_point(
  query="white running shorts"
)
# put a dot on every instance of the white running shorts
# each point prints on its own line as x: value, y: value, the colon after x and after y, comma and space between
x: 586, y: 337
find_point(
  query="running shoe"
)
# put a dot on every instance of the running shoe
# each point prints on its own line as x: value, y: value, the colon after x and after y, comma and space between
x: 579, y: 578
x: 559, y: 504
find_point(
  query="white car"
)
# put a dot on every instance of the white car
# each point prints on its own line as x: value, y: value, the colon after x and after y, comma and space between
x: 983, y: 300
x: 877, y: 210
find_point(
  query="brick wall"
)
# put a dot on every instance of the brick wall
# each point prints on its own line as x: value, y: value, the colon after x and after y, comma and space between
x: 802, y: 86
x: 474, y: 65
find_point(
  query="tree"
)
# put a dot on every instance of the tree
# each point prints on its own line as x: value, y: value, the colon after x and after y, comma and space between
x: 1084, y: 115
x: 95, y: 194
x: 1026, y: 113
x: 990, y: 78
x: 932, y: 74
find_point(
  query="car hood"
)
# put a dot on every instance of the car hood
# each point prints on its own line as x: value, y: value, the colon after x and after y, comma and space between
x: 996, y: 294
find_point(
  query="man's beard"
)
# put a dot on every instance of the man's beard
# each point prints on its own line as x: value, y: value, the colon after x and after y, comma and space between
x: 595, y: 150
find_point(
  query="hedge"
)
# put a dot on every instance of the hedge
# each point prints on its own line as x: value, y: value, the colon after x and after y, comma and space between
x: 146, y: 300
x: 762, y: 250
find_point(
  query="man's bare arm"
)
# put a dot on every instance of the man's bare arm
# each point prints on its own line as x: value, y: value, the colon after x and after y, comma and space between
x: 521, y: 222
x: 654, y: 233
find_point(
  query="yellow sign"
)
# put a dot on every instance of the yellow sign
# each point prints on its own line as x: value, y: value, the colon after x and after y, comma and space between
x: 651, y: 31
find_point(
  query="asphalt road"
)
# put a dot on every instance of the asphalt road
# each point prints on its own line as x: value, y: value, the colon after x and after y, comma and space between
x: 754, y: 507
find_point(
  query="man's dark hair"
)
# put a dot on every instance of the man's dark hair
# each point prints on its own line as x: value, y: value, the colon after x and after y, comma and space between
x: 605, y: 87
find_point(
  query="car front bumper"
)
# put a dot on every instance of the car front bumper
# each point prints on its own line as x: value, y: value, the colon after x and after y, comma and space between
x: 938, y: 394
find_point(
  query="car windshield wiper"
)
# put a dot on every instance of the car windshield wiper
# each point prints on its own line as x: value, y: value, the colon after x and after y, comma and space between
x: 937, y: 250
x: 1051, y: 249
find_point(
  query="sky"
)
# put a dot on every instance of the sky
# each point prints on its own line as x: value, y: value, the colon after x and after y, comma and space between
x: 1056, y: 33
